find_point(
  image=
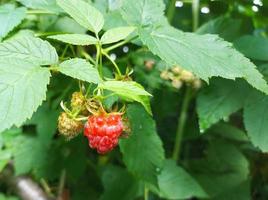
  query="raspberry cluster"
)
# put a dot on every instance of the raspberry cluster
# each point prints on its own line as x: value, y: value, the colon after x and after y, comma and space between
x: 103, y: 131
x: 179, y: 76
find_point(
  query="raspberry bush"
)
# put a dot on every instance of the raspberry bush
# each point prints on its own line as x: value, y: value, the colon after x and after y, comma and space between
x: 129, y: 100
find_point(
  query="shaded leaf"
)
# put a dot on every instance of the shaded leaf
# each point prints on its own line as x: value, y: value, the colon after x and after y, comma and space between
x: 119, y: 184
x: 219, y: 100
x: 254, y: 47
x: 143, y: 152
x: 175, y: 183
x: 255, y: 120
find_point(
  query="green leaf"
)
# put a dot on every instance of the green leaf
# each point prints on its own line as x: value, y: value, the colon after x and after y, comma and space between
x: 85, y: 14
x: 66, y: 24
x: 32, y: 154
x: 31, y: 49
x: 75, y: 39
x: 255, y: 120
x: 125, y: 88
x: 116, y: 34
x: 10, y: 17
x: 175, y: 183
x: 5, y: 156
x: 223, y: 169
x: 226, y: 27
x: 219, y: 100
x: 49, y: 5
x: 23, y: 87
x: 204, y: 55
x: 4, y: 197
x: 143, y: 12
x: 45, y: 119
x: 119, y: 184
x: 130, y: 91
x: 254, y: 47
x: 80, y: 69
x: 230, y: 132
x: 143, y: 152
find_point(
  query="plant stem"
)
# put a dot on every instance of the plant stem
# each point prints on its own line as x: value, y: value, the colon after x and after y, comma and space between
x: 119, y: 44
x: 43, y: 12
x: 112, y: 61
x: 146, y: 193
x: 62, y: 184
x: 171, y: 10
x: 181, y: 124
x: 195, y: 14
x: 88, y: 57
x: 47, y: 34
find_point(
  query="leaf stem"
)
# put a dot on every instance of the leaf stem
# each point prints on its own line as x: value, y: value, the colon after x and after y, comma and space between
x: 195, y: 14
x: 119, y: 44
x: 98, y: 60
x: 112, y: 61
x: 181, y: 123
x: 171, y: 10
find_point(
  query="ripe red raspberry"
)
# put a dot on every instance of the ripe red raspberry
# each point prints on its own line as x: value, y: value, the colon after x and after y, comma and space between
x: 103, y: 131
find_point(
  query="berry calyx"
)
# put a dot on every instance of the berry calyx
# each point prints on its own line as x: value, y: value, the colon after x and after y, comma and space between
x: 103, y: 131
x: 68, y: 126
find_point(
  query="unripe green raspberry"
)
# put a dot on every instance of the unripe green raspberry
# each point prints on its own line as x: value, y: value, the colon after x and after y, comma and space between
x: 78, y: 102
x: 69, y: 127
x: 176, y: 83
x: 186, y: 76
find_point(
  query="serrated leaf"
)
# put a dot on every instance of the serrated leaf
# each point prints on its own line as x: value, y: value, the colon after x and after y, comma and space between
x: 49, y: 5
x: 23, y: 87
x: 255, y: 120
x: 80, y: 69
x: 254, y: 47
x: 10, y: 17
x: 175, y: 183
x: 85, y: 14
x: 142, y: 146
x: 116, y: 34
x: 204, y: 55
x: 219, y: 100
x: 142, y: 12
x: 31, y: 49
x: 129, y: 91
x: 75, y: 39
